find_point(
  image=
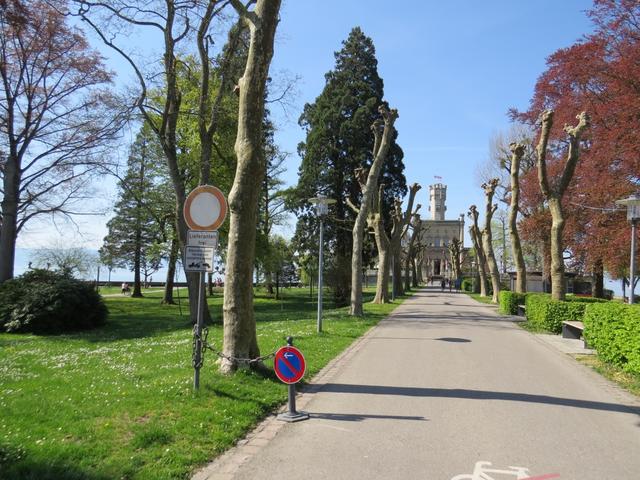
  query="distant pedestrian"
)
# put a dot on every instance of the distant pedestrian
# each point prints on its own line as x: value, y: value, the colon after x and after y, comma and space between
x: 442, y: 284
x: 450, y: 282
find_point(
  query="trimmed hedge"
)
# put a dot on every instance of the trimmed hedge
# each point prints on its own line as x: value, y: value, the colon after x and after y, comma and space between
x: 467, y: 284
x: 544, y: 313
x: 613, y: 329
x: 509, y: 302
x: 41, y: 301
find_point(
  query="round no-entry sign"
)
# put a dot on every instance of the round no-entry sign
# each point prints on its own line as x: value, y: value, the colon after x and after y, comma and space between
x: 205, y: 208
x: 289, y: 365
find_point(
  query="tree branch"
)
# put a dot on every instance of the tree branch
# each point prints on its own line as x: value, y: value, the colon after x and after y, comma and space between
x: 547, y: 123
x: 575, y: 134
x: 352, y: 206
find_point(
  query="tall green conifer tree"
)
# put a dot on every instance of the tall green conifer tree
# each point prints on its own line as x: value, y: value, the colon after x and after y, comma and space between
x: 137, y: 225
x: 339, y: 140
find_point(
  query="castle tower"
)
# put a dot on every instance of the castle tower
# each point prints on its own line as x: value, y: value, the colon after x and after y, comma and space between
x: 437, y: 199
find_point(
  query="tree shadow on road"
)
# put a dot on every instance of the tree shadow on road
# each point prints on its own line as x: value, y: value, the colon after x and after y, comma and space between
x: 359, y: 417
x: 478, y: 395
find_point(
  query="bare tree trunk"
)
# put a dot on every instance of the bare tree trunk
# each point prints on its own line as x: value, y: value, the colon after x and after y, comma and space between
x: 9, y: 224
x: 419, y: 260
x: 382, y: 242
x: 554, y: 195
x: 400, y: 227
x: 409, y: 261
x: 414, y: 273
x: 268, y: 276
x: 455, y: 252
x: 342, y: 274
x: 407, y: 272
x: 597, y: 287
x: 546, y: 265
x: 558, y: 289
x: 239, y: 321
x: 487, y: 237
x: 167, y: 297
x: 517, y: 151
x: 370, y: 187
x: 137, y: 291
x: 476, y: 238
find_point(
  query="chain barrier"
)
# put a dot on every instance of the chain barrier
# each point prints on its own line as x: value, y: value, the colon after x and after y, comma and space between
x: 218, y: 353
x: 194, y: 353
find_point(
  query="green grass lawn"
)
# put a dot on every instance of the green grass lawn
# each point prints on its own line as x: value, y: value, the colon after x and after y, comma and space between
x: 116, y: 289
x: 627, y: 380
x: 118, y: 403
x: 479, y: 298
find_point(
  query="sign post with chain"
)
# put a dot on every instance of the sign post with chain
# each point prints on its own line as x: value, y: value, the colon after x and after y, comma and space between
x: 205, y: 209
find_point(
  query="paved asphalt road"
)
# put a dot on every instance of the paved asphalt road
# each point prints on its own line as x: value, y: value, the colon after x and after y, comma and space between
x: 440, y: 386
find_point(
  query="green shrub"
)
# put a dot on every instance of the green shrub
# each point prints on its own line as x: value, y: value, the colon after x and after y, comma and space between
x: 467, y: 284
x: 41, y: 301
x: 574, y: 298
x: 613, y: 329
x: 509, y: 302
x: 543, y: 313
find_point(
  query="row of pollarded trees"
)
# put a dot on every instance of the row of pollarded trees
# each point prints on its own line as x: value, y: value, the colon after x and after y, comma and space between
x: 567, y: 210
x: 370, y: 216
x: 553, y: 191
x: 591, y: 75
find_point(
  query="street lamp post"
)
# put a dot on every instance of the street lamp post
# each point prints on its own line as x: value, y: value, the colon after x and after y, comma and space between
x: 322, y: 208
x: 633, y: 215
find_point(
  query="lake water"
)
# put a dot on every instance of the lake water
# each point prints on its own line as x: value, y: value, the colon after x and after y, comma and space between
x: 123, y: 275
x: 23, y: 256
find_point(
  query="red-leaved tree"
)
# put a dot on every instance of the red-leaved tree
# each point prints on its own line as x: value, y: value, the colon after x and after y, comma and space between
x: 599, y: 74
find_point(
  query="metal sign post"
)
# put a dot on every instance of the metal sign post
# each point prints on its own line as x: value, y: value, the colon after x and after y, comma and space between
x: 199, y: 326
x: 205, y: 210
x: 289, y: 365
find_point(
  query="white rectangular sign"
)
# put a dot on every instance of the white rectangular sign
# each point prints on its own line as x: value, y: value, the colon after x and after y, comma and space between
x: 200, y: 238
x: 198, y: 259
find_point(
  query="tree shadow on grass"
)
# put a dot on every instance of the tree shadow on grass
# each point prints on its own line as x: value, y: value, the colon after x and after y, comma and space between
x: 28, y: 469
x: 131, y: 318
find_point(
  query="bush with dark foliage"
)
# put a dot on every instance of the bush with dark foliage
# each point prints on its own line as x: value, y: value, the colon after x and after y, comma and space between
x: 42, y: 301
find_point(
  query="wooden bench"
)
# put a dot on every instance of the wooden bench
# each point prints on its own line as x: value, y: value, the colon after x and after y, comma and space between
x: 574, y: 330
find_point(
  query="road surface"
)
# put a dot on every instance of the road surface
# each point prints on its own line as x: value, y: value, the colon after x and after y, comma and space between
x: 444, y: 388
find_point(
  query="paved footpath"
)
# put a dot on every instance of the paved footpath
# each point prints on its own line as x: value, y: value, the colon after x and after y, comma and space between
x: 444, y: 389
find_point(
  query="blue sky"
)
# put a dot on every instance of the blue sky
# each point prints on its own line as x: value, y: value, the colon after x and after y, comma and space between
x: 451, y: 68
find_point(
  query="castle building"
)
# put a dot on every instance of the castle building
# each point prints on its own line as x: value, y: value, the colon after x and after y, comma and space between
x: 437, y: 233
